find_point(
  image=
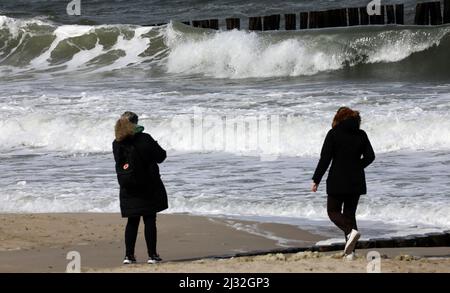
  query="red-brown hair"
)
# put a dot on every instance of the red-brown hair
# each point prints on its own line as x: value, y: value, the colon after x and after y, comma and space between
x: 344, y: 113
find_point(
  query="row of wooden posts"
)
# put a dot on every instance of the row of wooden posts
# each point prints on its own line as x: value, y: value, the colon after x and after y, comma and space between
x: 429, y: 13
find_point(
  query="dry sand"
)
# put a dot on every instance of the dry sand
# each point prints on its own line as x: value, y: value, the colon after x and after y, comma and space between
x: 40, y: 243
x: 302, y: 262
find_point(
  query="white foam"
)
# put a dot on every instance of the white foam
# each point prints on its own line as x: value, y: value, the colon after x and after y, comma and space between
x: 132, y: 49
x: 15, y: 25
x: 407, y: 213
x: 298, y: 136
x: 241, y: 54
x: 393, y: 48
x: 59, y: 134
x: 62, y: 32
x: 26, y: 203
x: 411, y: 214
x: 253, y: 228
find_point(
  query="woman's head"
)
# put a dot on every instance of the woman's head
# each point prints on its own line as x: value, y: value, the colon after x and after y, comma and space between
x: 126, y: 125
x: 131, y: 116
x: 344, y: 113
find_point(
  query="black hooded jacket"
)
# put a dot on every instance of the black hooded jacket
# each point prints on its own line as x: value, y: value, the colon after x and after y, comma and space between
x: 152, y: 197
x: 350, y: 151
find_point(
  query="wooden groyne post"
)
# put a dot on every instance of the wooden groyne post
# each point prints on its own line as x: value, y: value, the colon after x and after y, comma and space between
x: 328, y: 18
x: 377, y: 19
x: 399, y: 14
x: 255, y: 23
x: 233, y: 23
x: 435, y: 13
x: 427, y: 13
x: 390, y: 14
x: 430, y: 13
x: 422, y: 14
x: 206, y: 23
x: 446, y: 17
x: 290, y: 22
x: 304, y: 20
x: 364, y: 16
x: 271, y: 22
x: 214, y: 24
x: 353, y: 16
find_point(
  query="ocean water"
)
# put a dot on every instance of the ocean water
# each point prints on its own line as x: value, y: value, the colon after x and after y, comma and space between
x: 241, y: 114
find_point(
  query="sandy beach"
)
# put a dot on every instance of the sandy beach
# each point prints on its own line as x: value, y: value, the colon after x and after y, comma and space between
x: 40, y: 243
x: 305, y: 262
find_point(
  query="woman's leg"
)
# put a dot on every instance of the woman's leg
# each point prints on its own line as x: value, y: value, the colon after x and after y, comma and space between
x: 334, y: 209
x: 131, y: 232
x: 150, y: 234
x: 350, y: 206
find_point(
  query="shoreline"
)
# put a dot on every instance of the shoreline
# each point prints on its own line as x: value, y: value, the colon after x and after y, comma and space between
x: 187, y: 243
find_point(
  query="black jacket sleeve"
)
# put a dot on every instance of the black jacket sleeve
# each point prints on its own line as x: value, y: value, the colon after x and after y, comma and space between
x: 368, y: 155
x: 326, y: 156
x: 157, y: 153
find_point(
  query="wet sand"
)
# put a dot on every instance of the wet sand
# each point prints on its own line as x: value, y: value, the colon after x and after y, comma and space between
x: 40, y: 243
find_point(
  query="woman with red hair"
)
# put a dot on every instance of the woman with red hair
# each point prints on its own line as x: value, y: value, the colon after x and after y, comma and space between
x: 349, y: 151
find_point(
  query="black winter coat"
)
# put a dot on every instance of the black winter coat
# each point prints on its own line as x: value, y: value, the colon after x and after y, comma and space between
x: 152, y: 197
x: 350, y: 151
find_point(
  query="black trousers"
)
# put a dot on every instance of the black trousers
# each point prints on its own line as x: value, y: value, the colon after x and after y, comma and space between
x: 131, y: 232
x: 341, y: 211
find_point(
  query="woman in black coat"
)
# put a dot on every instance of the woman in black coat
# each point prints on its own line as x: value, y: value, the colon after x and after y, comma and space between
x: 349, y: 151
x: 150, y: 196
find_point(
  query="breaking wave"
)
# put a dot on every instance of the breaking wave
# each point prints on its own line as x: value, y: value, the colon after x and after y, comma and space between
x: 37, y: 46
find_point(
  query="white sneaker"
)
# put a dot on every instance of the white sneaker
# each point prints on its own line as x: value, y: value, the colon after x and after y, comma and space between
x: 154, y: 259
x: 129, y: 260
x: 350, y: 257
x: 351, y: 242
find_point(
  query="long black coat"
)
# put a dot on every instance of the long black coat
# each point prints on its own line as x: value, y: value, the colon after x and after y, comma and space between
x: 350, y: 151
x: 152, y: 197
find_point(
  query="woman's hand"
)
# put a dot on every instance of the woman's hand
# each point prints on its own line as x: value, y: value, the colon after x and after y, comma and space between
x: 314, y: 187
